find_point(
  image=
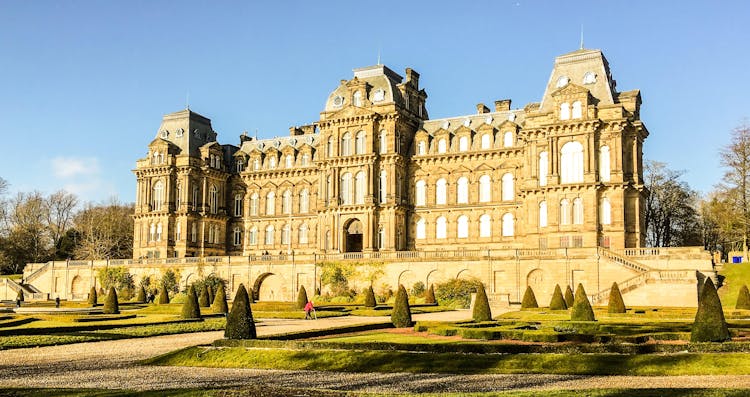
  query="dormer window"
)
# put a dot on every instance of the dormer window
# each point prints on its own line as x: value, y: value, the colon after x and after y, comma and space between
x: 305, y: 159
x: 463, y: 144
x: 239, y: 165
x: 272, y: 162
x: 357, y: 99
x: 485, y: 141
x: 562, y: 81
x: 378, y: 95
x: 165, y: 134
x: 289, y: 161
x: 179, y: 132
x: 577, y: 111
x: 256, y: 164
x: 565, y: 111
x: 338, y: 101
x: 442, y: 147
x: 507, y: 139
x: 589, y: 78
x: 421, y: 148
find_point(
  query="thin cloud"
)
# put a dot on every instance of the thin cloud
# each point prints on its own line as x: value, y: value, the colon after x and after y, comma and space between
x: 71, y: 167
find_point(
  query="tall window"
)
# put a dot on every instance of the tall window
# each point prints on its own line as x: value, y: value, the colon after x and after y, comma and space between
x: 178, y: 194
x: 604, y: 170
x: 578, y: 211
x: 158, y: 231
x: 508, y: 191
x: 286, y: 233
x: 421, y: 231
x: 565, y: 111
x: 381, y: 237
x: 508, y: 227
x: 420, y: 193
x: 272, y: 161
x: 485, y: 189
x: 269, y: 235
x: 237, y: 204
x: 565, y: 212
x: 346, y: 189
x: 543, y: 214
x: 507, y: 139
x: 286, y: 202
x: 330, y: 146
x: 303, y: 234
x: 305, y: 159
x: 178, y: 231
x: 271, y: 203
x: 256, y: 164
x: 441, y: 192
x: 442, y: 146
x: 485, y: 226
x: 357, y: 99
x: 463, y: 144
x: 440, y: 228
x: 463, y: 226
x: 359, y: 188
x: 462, y: 196
x: 210, y: 234
x: 421, y: 148
x: 383, y: 142
x: 346, y: 142
x: 239, y: 165
x: 359, y: 147
x: 193, y: 233
x: 383, y: 185
x: 289, y: 161
x: 606, y: 212
x: 253, y: 236
x: 571, y: 167
x: 254, y: 204
x: 237, y: 236
x: 157, y: 196
x: 486, y: 144
x: 195, y: 198
x: 304, y: 201
x: 543, y: 168
x: 577, y: 111
x: 213, y: 199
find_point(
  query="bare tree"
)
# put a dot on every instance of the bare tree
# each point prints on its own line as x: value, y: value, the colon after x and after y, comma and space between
x: 106, y: 231
x: 60, y: 210
x: 671, y: 217
x: 735, y: 157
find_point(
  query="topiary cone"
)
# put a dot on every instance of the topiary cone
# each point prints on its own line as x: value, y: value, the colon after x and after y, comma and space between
x: 211, y: 294
x: 141, y: 297
x: 481, y: 310
x: 301, y: 297
x: 401, y: 315
x: 569, y: 298
x: 430, y: 297
x: 203, y: 300
x: 582, y: 310
x: 220, y: 301
x: 616, y: 304
x: 93, y: 297
x: 529, y: 299
x: 370, y: 297
x: 110, y: 302
x: 557, y: 302
x: 163, y: 296
x: 743, y: 299
x: 709, y: 324
x: 190, y: 308
x: 240, y: 324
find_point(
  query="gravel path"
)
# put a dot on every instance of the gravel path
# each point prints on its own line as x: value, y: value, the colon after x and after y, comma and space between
x: 113, y: 365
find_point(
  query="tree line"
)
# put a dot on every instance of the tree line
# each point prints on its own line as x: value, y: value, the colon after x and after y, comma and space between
x: 35, y: 227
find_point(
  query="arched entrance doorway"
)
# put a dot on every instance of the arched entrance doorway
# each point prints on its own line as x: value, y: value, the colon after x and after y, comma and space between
x: 353, y: 236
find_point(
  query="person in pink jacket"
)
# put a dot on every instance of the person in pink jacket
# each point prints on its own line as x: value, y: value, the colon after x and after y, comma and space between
x: 309, y: 308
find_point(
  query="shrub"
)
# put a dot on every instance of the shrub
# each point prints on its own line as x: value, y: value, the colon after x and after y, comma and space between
x: 301, y: 297
x: 456, y: 292
x: 110, y: 302
x: 211, y: 293
x: 220, y: 301
x: 709, y: 324
x: 203, y: 300
x: 163, y: 295
x: 743, y: 299
x: 569, y: 299
x: 92, y: 297
x: 582, y: 310
x: 529, y: 299
x: 430, y: 296
x: 118, y: 277
x: 370, y: 297
x: 240, y: 324
x: 401, y: 315
x: 481, y: 310
x: 141, y: 297
x: 170, y: 280
x: 616, y: 304
x: 191, y: 309
x: 557, y: 302
x: 417, y: 289
x: 210, y: 283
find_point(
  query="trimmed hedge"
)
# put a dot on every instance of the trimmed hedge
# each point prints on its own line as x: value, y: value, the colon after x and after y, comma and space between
x: 203, y: 300
x: 743, y: 299
x: 220, y: 301
x: 240, y: 324
x: 430, y: 296
x: 370, y: 297
x: 191, y: 308
x: 616, y: 304
x: 401, y: 315
x: 141, y: 296
x: 482, y: 311
x: 211, y: 294
x: 163, y: 296
x: 301, y: 297
x: 529, y: 299
x: 569, y: 298
x: 582, y: 310
x: 709, y: 324
x: 110, y: 302
x: 93, y: 297
x: 557, y: 302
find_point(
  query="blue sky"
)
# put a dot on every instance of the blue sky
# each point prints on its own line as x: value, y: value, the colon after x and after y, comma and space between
x: 84, y: 84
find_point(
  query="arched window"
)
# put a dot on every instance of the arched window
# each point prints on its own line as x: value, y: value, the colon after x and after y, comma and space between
x: 486, y: 143
x: 286, y: 202
x: 383, y: 142
x: 565, y: 212
x: 508, y: 189
x: 381, y: 237
x: 272, y: 161
x: 462, y: 190
x: 543, y: 168
x: 359, y: 146
x: 606, y: 212
x: 507, y: 139
x: 286, y: 233
x: 253, y: 236
x: 305, y: 159
x: 271, y: 203
x: 571, y: 162
x: 151, y: 232
x: 346, y: 142
x: 485, y: 189
x: 195, y: 198
x: 237, y: 236
x: 237, y: 204
x: 256, y: 164
x: 303, y: 234
x: 577, y: 111
x: 289, y: 163
x: 565, y: 111
x: 157, y: 197
x: 604, y: 170
x: 441, y: 192
x: 213, y: 199
x: 463, y: 144
x: 421, y: 231
x: 330, y: 146
x: 485, y: 226
x: 543, y: 214
x: 328, y: 240
x: 210, y: 234
x: 346, y: 188
x: 304, y: 201
x: 239, y: 165
x: 508, y: 227
x: 578, y: 211
x: 269, y: 235
x: 357, y: 99
x: 440, y: 228
x: 383, y: 185
x: 421, y: 148
x: 360, y: 188
x: 254, y: 204
x: 158, y: 231
x: 193, y: 233
x: 420, y: 193
x: 178, y: 231
x: 463, y: 226
x: 442, y: 147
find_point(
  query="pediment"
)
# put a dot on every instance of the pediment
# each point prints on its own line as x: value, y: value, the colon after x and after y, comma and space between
x: 351, y: 111
x: 507, y: 124
x: 441, y: 132
x: 484, y: 127
x: 570, y: 90
x: 463, y: 130
x: 484, y: 167
x: 421, y: 134
x: 461, y: 168
x: 270, y: 185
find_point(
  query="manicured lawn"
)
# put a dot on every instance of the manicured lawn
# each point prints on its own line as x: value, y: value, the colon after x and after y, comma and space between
x: 735, y: 275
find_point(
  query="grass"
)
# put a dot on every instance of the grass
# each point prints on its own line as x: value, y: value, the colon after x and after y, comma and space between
x: 735, y: 275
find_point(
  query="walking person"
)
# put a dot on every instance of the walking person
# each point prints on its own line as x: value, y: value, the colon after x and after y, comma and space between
x: 309, y: 310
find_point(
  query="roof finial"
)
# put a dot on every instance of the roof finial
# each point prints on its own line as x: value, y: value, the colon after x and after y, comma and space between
x: 581, y: 36
x: 378, y: 55
x: 256, y: 134
x: 187, y: 100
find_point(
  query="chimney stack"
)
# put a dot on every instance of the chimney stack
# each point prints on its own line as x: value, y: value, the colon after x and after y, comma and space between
x: 481, y: 108
x: 502, y: 105
x: 413, y: 76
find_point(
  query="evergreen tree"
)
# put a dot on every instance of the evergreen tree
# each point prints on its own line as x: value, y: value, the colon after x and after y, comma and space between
x: 191, y: 308
x: 529, y: 299
x: 301, y: 297
x: 743, y: 299
x: 616, y: 304
x: 240, y: 324
x: 709, y: 324
x: 93, y: 297
x: 430, y: 297
x: 557, y: 302
x: 569, y: 299
x: 110, y: 302
x: 370, y: 297
x: 220, y: 301
x: 163, y: 296
x: 141, y: 297
x: 582, y: 310
x: 481, y: 310
x: 401, y: 315
x: 203, y: 300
